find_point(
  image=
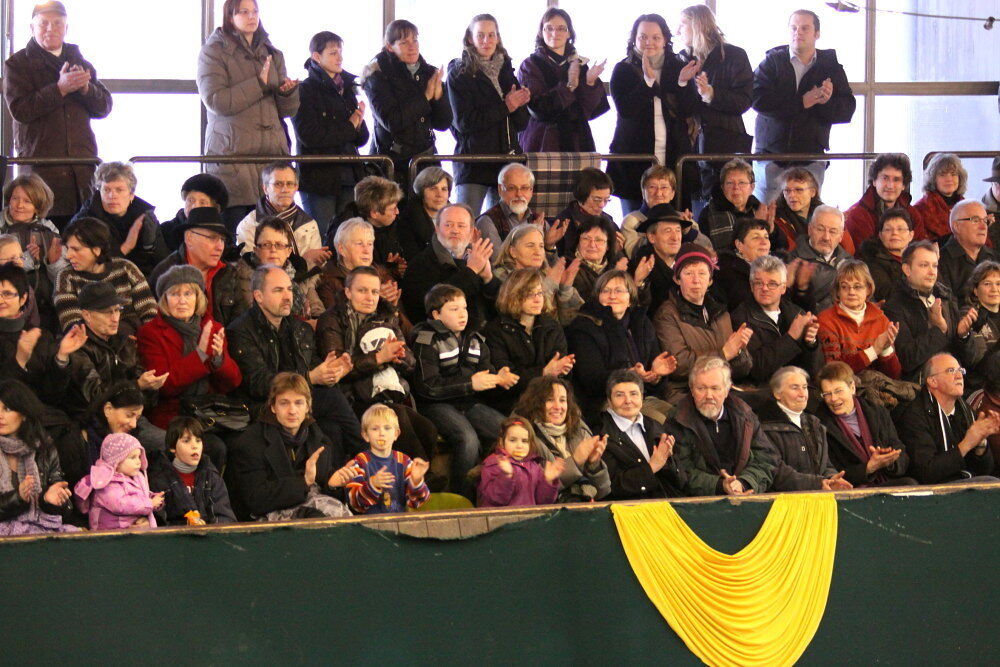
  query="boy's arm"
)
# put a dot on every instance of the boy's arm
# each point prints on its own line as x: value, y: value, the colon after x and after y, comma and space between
x: 360, y: 493
x: 415, y: 495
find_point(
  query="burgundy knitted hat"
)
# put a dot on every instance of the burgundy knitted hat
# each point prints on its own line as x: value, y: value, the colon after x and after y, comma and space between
x: 693, y: 252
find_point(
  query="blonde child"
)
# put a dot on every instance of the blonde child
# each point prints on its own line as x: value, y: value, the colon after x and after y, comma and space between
x: 116, y: 493
x: 513, y: 474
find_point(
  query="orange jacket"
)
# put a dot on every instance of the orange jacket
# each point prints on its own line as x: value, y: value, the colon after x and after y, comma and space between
x: 844, y: 340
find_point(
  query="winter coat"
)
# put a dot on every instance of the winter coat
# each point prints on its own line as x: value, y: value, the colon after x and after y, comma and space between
x: 49, y: 472
x: 225, y: 299
x: 843, y: 339
x: 446, y: 362
x: 932, y: 461
x: 731, y: 281
x: 209, y: 498
x: 414, y: 226
x: 771, y: 347
x: 861, y: 219
x: 560, y: 117
x: 565, y: 299
x: 114, y: 501
x: 323, y: 126
x: 825, y: 272
x: 405, y: 119
x: 96, y: 366
x: 660, y: 280
x: 433, y: 265
x: 630, y: 472
x: 42, y: 372
x: 635, y: 125
x: 803, y: 458
x: 129, y: 283
x: 305, y: 230
x: 918, y: 340
x: 245, y: 116
x: 334, y: 333
x: 481, y: 123
x: 935, y: 213
x: 576, y: 484
x: 149, y: 250
x: 982, y: 401
x: 526, y: 354
x: 980, y: 352
x: 306, y: 303
x: 720, y: 220
x: 527, y: 486
x: 784, y: 125
x: 886, y: 268
x: 842, y: 454
x: 161, y: 348
x: 48, y: 124
x: 330, y: 285
x: 756, y: 456
x: 955, y: 269
x: 731, y: 76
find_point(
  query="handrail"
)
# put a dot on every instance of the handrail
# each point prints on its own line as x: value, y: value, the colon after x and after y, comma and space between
x: 45, y: 161
x: 986, y: 154
x: 518, y: 157
x: 783, y: 157
x: 383, y: 160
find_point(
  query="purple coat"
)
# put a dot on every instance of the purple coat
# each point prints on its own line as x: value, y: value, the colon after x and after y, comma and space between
x: 560, y: 117
x: 528, y: 486
x: 112, y: 500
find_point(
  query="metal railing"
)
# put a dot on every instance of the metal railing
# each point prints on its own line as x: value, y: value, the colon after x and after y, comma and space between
x: 985, y: 154
x: 750, y: 157
x: 517, y: 157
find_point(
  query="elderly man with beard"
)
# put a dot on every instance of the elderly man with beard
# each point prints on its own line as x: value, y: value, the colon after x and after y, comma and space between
x: 452, y: 258
x: 516, y: 185
x: 720, y: 444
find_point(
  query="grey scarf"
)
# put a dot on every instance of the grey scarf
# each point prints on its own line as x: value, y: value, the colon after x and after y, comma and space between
x: 556, y: 435
x: 189, y: 330
x: 491, y: 69
x: 25, y: 466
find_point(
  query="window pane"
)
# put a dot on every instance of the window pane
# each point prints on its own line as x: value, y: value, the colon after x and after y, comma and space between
x: 758, y: 27
x: 910, y: 48
x: 110, y: 37
x: 130, y: 131
x: 918, y: 125
x: 602, y: 35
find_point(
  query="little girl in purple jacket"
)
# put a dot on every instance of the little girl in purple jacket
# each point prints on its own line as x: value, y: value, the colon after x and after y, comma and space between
x: 513, y: 475
x: 116, y: 494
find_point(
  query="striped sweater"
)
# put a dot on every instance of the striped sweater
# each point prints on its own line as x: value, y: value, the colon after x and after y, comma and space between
x: 129, y: 283
x: 365, y: 499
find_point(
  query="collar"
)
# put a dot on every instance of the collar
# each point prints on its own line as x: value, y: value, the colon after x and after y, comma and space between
x: 624, y: 424
x: 793, y: 416
x: 795, y: 58
x: 442, y: 254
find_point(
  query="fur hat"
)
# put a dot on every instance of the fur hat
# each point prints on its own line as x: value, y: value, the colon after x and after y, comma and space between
x: 182, y: 274
x: 209, y: 185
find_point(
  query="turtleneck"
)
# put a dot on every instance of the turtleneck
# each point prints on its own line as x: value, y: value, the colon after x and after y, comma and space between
x: 793, y: 416
x: 186, y: 468
x: 856, y: 315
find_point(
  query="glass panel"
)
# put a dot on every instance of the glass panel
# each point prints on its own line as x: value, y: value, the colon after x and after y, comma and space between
x: 109, y: 36
x: 602, y: 35
x: 918, y: 125
x: 910, y: 48
x: 758, y: 27
x: 130, y: 130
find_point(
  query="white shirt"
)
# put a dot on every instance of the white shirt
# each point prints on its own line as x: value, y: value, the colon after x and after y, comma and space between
x: 800, y: 67
x: 795, y: 417
x: 773, y: 314
x: 659, y: 126
x: 634, y: 430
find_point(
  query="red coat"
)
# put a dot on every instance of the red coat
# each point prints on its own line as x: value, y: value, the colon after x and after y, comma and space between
x: 934, y: 212
x: 860, y: 220
x: 843, y: 340
x: 160, y: 347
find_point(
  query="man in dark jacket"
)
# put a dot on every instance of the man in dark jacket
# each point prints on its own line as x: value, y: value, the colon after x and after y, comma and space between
x: 945, y: 441
x: 720, y: 445
x: 664, y: 230
x: 799, y: 92
x: 822, y: 250
x: 205, y: 240
x: 52, y: 94
x: 965, y: 250
x: 452, y: 258
x: 639, y: 453
x: 267, y: 340
x: 799, y: 437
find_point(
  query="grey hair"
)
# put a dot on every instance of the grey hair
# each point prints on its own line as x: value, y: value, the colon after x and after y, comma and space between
x: 113, y: 171
x: 348, y: 227
x: 826, y: 208
x: 458, y: 204
x: 768, y: 264
x: 953, y: 216
x: 9, y: 239
x: 945, y: 162
x: 260, y: 275
x: 513, y: 166
x: 779, y: 376
x: 431, y: 176
x: 711, y: 362
x: 515, y: 235
x: 271, y: 167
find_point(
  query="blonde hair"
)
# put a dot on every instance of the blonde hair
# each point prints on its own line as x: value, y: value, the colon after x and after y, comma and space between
x: 853, y: 269
x: 200, y: 304
x: 379, y: 413
x: 515, y: 289
x: 38, y: 192
x: 705, y: 33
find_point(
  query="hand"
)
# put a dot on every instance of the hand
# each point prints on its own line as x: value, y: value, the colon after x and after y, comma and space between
x: 358, y: 116
x: 317, y: 256
x: 880, y: 457
x: 553, y: 469
x: 341, y: 477
x: 72, y: 78
x: 72, y: 341
x: 798, y: 326
x: 569, y: 275
x: 555, y: 272
x: 986, y: 424
x: 382, y: 479
x: 965, y: 324
x: 218, y: 342
x: 583, y: 450
x: 390, y: 292
x: 766, y: 212
x: 647, y: 376
x: 392, y: 349
x: 157, y: 500
x: 555, y: 232
x: 397, y: 260
x: 737, y: 341
x: 310, y: 472
x: 58, y: 494
x: 483, y: 381
x: 936, y: 315
x: 621, y: 264
x: 26, y: 345
x: 689, y: 71
x: 287, y: 86
x: 34, y: 251
x: 55, y: 250
x: 433, y: 89
x: 644, y: 268
x: 141, y: 522
x: 330, y: 371
x: 265, y: 71
x: 705, y: 89
x: 836, y: 483
x: 132, y: 238
x: 480, y: 254
x: 573, y: 75
x: 26, y: 489
x: 595, y: 456
x: 506, y: 379
x: 732, y: 486
x: 205, y: 339
x: 620, y: 241
x: 594, y: 71
x: 647, y: 68
x: 664, y: 364
x: 885, y: 339
x: 661, y: 452
x: 516, y: 98
x: 505, y: 466
x: 150, y: 381
x: 559, y: 365
x: 418, y: 469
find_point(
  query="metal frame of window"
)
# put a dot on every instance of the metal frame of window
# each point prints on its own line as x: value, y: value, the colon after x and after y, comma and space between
x: 868, y: 89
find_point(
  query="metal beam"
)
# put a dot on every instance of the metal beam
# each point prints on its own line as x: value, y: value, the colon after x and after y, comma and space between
x: 151, y: 85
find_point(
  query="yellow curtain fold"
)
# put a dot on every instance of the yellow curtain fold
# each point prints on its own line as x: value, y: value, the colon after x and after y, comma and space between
x: 760, y: 606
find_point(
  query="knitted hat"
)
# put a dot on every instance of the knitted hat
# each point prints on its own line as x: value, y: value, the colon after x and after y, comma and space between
x: 116, y: 448
x: 209, y: 185
x: 692, y: 252
x: 182, y: 274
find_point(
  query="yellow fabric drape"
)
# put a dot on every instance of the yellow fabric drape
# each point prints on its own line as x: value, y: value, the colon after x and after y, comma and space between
x: 761, y: 606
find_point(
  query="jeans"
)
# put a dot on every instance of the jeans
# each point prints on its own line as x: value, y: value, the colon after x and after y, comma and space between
x: 324, y: 208
x: 629, y: 205
x: 334, y: 416
x: 469, y: 430
x: 767, y: 176
x: 473, y: 194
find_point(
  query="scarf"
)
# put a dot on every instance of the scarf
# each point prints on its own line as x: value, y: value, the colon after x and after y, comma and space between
x: 861, y: 446
x: 12, y: 324
x: 556, y: 435
x: 412, y: 68
x: 185, y: 468
x: 189, y: 330
x: 596, y: 267
x: 557, y: 58
x: 295, y: 444
x: 25, y: 466
x: 290, y: 215
x: 491, y: 69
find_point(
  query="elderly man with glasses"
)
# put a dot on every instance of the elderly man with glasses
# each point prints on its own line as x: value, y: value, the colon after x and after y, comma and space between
x: 965, y: 249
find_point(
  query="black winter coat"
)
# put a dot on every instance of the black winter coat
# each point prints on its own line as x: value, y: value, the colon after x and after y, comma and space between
x: 660, y: 283
x: 526, y: 354
x: 886, y: 268
x: 956, y: 267
x: 96, y: 366
x: 804, y: 461
x: 414, y: 227
x: 49, y: 472
x: 784, y: 125
x: 323, y: 127
x: 634, y: 131
x: 771, y: 347
x: 842, y: 455
x: 730, y: 75
x: 919, y: 340
x: 404, y: 119
x: 434, y: 265
x: 630, y: 472
x: 42, y: 373
x: 481, y: 123
x: 210, y: 497
x: 150, y: 248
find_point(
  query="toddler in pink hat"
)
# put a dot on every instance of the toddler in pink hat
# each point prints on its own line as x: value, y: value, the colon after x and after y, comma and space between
x: 116, y: 494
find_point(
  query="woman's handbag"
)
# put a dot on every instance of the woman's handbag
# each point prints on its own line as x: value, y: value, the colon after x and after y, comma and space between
x: 217, y: 412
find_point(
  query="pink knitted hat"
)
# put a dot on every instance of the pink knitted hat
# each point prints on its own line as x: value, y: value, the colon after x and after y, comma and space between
x: 116, y: 448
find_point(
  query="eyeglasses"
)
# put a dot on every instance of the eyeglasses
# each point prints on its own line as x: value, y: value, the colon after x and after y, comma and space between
x: 8, y: 295
x: 839, y: 392
x: 248, y: 12
x: 738, y: 184
x: 518, y: 188
x: 795, y: 191
x: 271, y: 245
x: 616, y: 291
x: 282, y: 185
x: 975, y: 219
x: 951, y: 371
x: 770, y: 285
x: 212, y: 238
x: 549, y: 29
x: 535, y: 294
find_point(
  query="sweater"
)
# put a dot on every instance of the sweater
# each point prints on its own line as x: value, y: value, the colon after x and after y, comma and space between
x: 403, y: 493
x: 843, y: 339
x: 129, y: 284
